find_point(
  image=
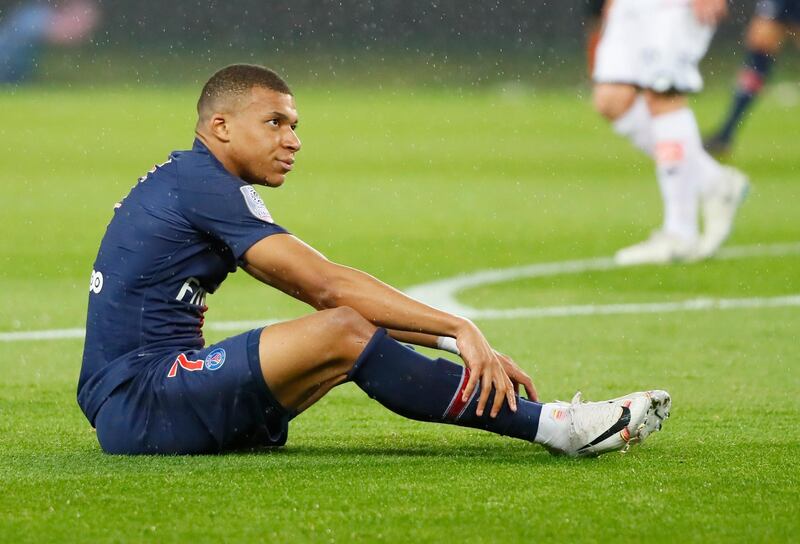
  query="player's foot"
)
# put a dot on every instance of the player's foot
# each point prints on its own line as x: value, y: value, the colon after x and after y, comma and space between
x: 661, y: 248
x: 613, y: 425
x: 719, y: 210
x: 717, y: 146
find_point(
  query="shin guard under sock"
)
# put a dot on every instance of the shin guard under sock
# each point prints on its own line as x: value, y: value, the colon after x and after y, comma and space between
x: 416, y: 387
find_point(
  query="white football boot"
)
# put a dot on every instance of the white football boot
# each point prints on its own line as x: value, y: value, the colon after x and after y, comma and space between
x: 719, y: 210
x: 613, y: 425
x: 661, y: 248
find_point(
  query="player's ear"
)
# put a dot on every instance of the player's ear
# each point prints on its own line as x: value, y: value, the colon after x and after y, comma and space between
x: 219, y: 127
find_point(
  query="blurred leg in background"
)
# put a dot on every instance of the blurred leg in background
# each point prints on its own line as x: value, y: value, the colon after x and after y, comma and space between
x: 764, y: 39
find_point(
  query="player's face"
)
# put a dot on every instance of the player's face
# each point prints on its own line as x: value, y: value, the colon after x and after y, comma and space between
x: 263, y: 142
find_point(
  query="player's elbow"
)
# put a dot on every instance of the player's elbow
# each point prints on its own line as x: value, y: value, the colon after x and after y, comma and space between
x: 331, y: 292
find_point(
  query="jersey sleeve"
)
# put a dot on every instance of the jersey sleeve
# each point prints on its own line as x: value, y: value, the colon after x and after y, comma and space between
x: 230, y: 211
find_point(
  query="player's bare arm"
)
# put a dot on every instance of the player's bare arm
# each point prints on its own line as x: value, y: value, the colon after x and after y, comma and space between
x: 297, y: 269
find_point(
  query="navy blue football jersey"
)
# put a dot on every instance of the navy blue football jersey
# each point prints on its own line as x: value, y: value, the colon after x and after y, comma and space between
x: 176, y: 236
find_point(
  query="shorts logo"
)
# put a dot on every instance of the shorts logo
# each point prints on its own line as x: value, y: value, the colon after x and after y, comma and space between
x: 96, y: 282
x: 255, y: 204
x: 186, y: 364
x: 215, y: 359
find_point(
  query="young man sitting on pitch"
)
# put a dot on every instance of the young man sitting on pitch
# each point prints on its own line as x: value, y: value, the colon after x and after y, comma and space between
x: 150, y: 385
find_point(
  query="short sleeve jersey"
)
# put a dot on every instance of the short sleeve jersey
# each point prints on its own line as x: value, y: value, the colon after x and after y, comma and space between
x: 176, y: 236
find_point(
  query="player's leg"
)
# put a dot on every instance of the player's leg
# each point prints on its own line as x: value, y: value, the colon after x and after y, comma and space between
x: 689, y: 176
x: 624, y: 61
x: 616, y: 91
x: 303, y: 359
x: 677, y: 142
x: 764, y: 40
x: 647, y: 122
x: 626, y: 109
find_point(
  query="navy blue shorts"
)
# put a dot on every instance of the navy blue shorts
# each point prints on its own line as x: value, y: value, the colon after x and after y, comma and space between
x: 206, y: 401
x: 782, y: 11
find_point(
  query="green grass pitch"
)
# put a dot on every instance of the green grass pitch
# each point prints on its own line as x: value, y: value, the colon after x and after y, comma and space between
x: 413, y: 186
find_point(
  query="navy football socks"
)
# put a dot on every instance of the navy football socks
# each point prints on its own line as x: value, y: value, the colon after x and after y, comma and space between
x: 416, y: 387
x: 751, y: 80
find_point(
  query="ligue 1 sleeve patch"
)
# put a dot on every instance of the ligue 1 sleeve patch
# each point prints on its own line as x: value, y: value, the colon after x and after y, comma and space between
x: 255, y: 204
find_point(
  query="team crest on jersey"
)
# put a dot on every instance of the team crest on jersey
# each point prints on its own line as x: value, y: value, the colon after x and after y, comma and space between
x: 215, y: 359
x: 255, y: 204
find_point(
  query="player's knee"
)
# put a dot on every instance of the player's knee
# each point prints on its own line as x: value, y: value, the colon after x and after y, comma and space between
x: 348, y: 324
x: 661, y: 103
x: 612, y: 101
x: 765, y: 36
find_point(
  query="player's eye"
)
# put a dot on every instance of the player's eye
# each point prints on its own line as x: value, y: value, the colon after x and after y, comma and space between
x: 273, y: 122
x: 294, y: 127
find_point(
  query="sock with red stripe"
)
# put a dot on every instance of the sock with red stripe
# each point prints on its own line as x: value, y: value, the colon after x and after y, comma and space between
x: 416, y: 387
x: 751, y: 80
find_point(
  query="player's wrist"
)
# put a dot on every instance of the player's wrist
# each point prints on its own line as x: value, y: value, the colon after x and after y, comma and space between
x: 462, y: 327
x: 446, y: 343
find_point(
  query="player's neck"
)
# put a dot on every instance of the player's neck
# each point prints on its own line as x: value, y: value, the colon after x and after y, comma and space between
x: 216, y: 149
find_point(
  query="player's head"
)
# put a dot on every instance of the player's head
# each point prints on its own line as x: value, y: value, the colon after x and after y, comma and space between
x: 247, y: 117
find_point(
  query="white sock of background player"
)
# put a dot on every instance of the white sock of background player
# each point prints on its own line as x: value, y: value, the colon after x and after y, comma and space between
x: 636, y: 125
x: 684, y: 169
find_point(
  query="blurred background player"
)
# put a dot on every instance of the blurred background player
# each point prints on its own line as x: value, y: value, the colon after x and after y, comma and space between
x: 772, y: 22
x: 594, y: 26
x: 646, y: 64
x: 33, y: 25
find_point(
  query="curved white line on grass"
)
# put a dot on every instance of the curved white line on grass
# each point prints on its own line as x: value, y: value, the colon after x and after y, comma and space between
x: 442, y: 294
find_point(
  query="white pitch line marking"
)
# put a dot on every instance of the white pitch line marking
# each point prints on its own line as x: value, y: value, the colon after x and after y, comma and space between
x: 442, y: 294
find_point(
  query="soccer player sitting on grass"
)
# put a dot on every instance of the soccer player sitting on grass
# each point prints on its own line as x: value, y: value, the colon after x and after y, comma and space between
x: 148, y: 383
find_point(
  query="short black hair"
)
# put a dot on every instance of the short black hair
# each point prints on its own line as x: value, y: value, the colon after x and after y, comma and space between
x: 236, y: 80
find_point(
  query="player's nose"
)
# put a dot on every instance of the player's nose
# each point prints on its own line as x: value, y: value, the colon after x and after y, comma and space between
x: 291, y: 141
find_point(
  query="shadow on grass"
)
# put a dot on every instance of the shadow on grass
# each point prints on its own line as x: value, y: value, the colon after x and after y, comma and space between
x: 91, y: 460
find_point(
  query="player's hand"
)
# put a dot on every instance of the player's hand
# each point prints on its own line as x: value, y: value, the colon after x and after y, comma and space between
x: 486, y: 369
x: 518, y: 377
x: 710, y: 12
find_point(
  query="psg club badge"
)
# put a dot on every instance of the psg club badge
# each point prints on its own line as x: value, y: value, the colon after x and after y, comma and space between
x: 215, y: 359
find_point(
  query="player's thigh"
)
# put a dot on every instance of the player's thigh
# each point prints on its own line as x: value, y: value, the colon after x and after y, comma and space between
x: 612, y: 100
x: 300, y: 354
x: 765, y: 35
